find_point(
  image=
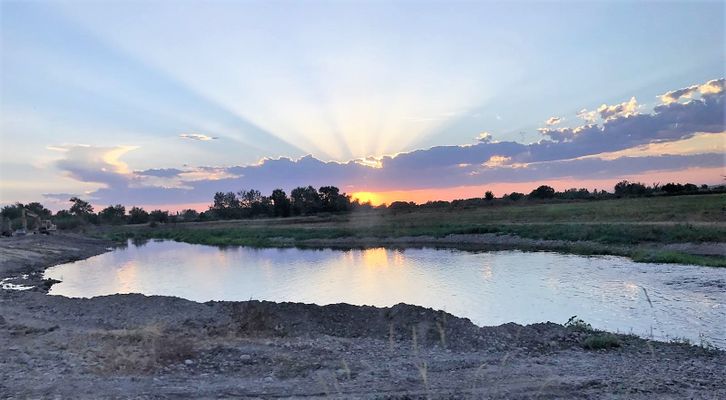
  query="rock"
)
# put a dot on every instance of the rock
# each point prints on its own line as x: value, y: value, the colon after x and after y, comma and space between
x: 269, y: 379
x: 188, y: 362
x: 245, y: 357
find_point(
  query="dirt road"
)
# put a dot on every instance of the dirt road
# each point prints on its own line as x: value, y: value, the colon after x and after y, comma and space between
x: 133, y: 346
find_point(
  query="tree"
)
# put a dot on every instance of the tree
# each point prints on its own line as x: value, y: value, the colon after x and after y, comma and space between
x: 489, y: 195
x: 574, y: 193
x: 328, y: 197
x: 630, y: 189
x: 280, y: 203
x: 672, y: 188
x: 690, y: 188
x: 332, y: 200
x: 226, y: 205
x: 113, y: 214
x: 342, y: 203
x: 253, y: 203
x: 398, y: 206
x: 189, y: 215
x: 514, y: 196
x: 80, y: 208
x: 138, y: 215
x: 39, y: 210
x: 159, y: 216
x: 12, y: 211
x: 305, y: 200
x: 358, y: 206
x: 63, y: 219
x: 248, y: 198
x: 543, y: 192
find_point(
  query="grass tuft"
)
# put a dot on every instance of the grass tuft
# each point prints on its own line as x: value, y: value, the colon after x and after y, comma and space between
x: 601, y: 341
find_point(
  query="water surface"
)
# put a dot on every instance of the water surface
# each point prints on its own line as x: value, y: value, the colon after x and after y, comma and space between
x: 662, y: 301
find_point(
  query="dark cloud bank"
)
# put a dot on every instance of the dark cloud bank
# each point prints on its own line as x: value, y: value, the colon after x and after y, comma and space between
x: 558, y: 155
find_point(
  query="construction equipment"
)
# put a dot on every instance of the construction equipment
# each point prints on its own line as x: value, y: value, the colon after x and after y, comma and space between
x: 44, y: 226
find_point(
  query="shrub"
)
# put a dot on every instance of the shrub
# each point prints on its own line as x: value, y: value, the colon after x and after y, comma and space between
x: 602, y: 341
x: 578, y: 324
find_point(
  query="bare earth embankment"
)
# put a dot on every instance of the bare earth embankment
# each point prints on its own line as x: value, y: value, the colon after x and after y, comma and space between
x: 133, y: 346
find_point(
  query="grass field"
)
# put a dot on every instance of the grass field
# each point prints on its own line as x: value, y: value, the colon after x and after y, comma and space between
x: 637, y: 228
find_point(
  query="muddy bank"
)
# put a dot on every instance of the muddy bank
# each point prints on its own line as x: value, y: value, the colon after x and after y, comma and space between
x: 30, y: 255
x: 134, y: 346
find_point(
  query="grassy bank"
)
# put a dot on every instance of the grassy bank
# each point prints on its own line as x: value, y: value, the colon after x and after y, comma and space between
x: 637, y: 228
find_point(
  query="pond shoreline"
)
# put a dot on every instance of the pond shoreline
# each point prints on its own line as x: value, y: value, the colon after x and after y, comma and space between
x: 165, y: 346
x: 694, y: 243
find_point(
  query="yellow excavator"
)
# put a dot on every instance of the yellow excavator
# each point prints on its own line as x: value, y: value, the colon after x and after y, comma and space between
x: 44, y: 226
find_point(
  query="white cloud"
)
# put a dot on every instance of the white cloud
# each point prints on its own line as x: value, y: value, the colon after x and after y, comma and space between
x: 484, y: 137
x: 623, y: 109
x: 198, y: 136
x: 715, y: 86
x: 588, y: 116
x: 553, y: 120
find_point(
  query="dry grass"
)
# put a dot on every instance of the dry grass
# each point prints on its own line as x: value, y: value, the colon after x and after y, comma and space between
x: 139, y: 350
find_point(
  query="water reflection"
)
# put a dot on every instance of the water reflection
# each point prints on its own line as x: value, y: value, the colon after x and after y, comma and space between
x: 490, y: 288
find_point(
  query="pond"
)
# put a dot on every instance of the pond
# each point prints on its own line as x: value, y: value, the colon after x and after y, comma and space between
x: 661, y: 301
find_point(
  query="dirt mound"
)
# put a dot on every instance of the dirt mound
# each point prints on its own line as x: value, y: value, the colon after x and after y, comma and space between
x: 400, y: 322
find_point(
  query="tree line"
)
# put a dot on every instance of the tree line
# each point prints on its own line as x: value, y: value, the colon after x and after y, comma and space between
x: 302, y: 201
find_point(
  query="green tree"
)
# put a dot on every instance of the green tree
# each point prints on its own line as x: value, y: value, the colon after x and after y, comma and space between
x: 159, y: 216
x: 514, y: 196
x: 248, y: 198
x: 489, y: 195
x: 190, y: 215
x: 12, y: 211
x: 138, y: 215
x: 80, y: 208
x: 113, y: 214
x: 253, y: 203
x: 305, y: 200
x: 631, y: 189
x: 226, y: 206
x: 543, y: 192
x: 63, y: 219
x: 39, y: 210
x: 332, y: 200
x: 280, y: 203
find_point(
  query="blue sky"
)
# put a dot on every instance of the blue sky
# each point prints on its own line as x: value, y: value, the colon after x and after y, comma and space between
x: 134, y: 83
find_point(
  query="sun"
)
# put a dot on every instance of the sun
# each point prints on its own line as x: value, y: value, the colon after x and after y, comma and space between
x: 366, y: 197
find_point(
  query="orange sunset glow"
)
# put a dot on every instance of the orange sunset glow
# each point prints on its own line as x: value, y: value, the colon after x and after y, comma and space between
x: 421, y: 196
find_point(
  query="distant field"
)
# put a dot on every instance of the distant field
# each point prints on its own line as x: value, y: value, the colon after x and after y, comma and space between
x: 619, y: 226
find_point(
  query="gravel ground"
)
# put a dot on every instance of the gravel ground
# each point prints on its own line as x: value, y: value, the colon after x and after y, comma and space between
x: 134, y: 346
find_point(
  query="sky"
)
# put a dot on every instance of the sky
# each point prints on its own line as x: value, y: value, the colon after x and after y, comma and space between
x: 162, y: 103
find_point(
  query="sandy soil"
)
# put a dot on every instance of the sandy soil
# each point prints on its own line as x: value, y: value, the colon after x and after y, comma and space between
x: 134, y: 346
